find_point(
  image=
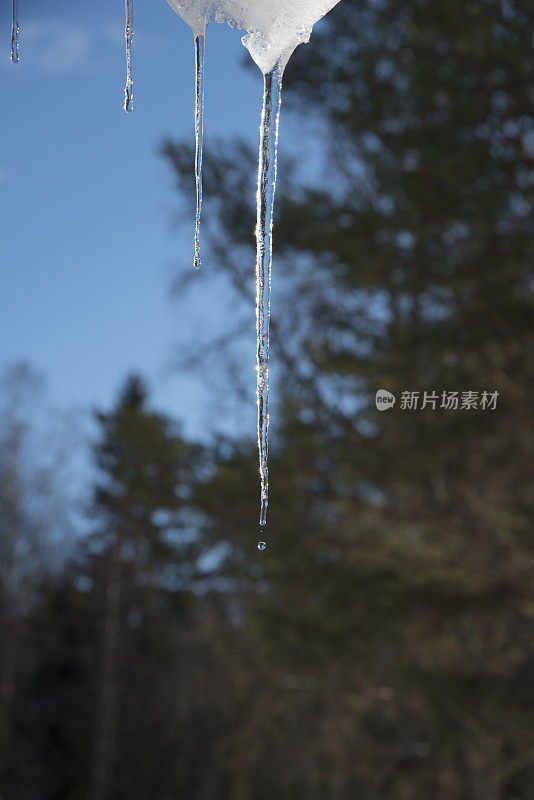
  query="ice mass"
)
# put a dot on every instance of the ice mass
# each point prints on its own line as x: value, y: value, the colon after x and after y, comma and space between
x: 273, y: 29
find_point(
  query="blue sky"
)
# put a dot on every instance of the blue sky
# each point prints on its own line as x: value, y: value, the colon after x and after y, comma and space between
x: 88, y: 245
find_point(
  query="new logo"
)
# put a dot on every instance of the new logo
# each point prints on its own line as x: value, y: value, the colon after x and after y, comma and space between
x: 384, y: 399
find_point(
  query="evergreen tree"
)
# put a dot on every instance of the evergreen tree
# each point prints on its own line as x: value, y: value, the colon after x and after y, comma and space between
x: 400, y: 540
x: 139, y: 553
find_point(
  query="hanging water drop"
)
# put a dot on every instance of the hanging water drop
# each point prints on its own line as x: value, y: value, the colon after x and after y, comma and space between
x: 262, y: 545
x: 15, y: 30
x: 272, y: 101
x: 128, y: 35
x: 200, y: 51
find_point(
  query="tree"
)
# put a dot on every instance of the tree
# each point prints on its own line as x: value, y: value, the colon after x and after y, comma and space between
x: 35, y: 516
x: 401, y: 544
x: 144, y: 466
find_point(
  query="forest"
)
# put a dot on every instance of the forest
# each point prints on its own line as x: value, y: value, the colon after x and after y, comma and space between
x: 382, y: 646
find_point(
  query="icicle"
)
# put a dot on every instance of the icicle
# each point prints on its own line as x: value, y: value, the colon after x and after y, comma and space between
x: 15, y: 29
x: 200, y: 51
x: 128, y: 35
x: 272, y: 100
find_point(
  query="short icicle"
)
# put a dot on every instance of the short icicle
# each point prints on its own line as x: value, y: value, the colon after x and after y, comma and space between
x: 272, y: 100
x: 200, y: 50
x: 15, y: 29
x: 128, y: 35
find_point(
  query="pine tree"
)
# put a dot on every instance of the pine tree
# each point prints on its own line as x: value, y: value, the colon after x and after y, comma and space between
x: 144, y: 466
x: 401, y: 540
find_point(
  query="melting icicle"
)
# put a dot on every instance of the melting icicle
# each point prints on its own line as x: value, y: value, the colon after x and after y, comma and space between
x: 128, y: 35
x: 272, y: 101
x: 274, y: 28
x: 15, y: 30
x: 200, y: 51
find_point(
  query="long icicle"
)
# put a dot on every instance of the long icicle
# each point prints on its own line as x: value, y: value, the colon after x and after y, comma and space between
x: 15, y: 29
x: 128, y: 35
x: 272, y: 101
x: 200, y: 53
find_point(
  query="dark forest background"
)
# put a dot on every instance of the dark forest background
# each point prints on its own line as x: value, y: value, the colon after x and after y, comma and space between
x: 382, y: 647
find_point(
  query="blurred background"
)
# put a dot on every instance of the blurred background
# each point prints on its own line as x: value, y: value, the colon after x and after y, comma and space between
x: 382, y: 647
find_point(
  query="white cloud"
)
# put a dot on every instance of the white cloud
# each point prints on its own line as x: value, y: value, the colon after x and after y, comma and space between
x: 57, y: 47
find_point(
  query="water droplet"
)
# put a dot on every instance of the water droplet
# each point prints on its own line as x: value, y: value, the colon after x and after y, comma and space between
x: 262, y: 545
